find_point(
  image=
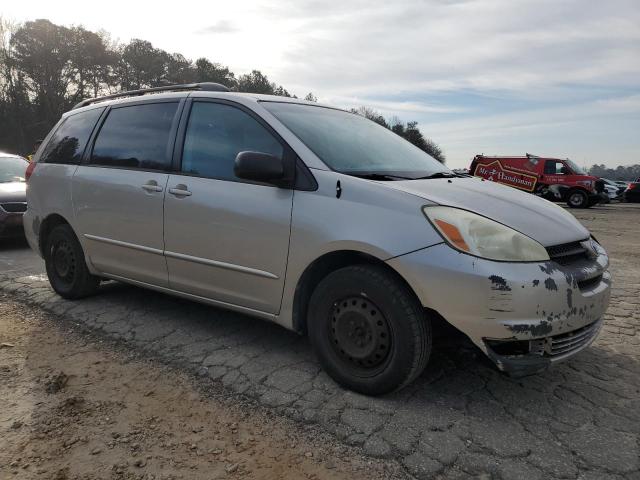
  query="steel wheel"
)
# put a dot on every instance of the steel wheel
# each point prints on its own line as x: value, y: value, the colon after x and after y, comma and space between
x: 360, y: 333
x: 577, y: 199
x: 64, y: 261
x: 65, y: 264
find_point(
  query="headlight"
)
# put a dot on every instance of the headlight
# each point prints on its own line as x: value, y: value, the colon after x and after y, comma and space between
x: 479, y: 236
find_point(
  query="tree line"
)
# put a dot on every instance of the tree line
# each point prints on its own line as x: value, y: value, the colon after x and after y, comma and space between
x: 45, y: 69
x: 628, y: 173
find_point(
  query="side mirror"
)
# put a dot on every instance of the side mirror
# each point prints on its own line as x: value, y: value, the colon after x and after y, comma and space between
x: 259, y: 167
x: 565, y: 171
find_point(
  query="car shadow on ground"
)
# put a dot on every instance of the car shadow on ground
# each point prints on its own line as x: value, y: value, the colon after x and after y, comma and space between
x: 456, y: 367
x: 9, y: 244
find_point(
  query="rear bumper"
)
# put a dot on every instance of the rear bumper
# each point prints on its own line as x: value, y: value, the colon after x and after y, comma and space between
x: 518, y: 314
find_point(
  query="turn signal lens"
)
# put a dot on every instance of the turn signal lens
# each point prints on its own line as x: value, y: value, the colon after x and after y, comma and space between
x: 453, y: 234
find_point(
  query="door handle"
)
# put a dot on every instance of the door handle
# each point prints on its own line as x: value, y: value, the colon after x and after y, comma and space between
x: 152, y: 186
x: 180, y: 190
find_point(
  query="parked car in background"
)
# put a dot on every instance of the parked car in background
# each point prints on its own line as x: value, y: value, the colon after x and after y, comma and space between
x: 613, y: 190
x: 552, y: 178
x: 632, y: 193
x: 13, y: 199
x: 314, y: 218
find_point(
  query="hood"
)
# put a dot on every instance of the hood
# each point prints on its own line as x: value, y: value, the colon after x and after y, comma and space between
x: 13, y: 192
x: 537, y: 218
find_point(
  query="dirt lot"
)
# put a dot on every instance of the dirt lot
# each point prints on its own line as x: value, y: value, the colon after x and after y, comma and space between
x: 73, y: 408
x: 158, y: 386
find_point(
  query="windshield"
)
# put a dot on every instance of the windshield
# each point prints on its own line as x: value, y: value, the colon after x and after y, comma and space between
x: 575, y: 168
x: 351, y: 144
x: 12, y: 169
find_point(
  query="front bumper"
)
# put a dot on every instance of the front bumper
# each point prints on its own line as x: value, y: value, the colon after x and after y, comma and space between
x: 514, y: 312
x: 10, y: 224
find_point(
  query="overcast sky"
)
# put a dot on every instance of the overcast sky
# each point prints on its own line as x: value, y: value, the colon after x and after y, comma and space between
x: 548, y: 77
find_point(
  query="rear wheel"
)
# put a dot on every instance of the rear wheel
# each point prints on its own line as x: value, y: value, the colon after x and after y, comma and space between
x: 578, y: 199
x: 66, y: 268
x: 368, y: 331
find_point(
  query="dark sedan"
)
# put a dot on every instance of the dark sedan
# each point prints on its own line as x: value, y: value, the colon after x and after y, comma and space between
x: 13, y: 196
x: 632, y: 193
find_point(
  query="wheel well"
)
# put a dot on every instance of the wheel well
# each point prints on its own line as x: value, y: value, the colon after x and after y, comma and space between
x: 323, y: 266
x: 47, y: 226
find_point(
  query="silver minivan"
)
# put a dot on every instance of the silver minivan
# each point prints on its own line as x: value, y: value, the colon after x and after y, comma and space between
x: 316, y: 219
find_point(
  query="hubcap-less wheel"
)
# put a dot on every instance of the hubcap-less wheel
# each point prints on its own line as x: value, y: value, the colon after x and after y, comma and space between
x: 359, y: 332
x: 63, y: 261
x: 369, y: 332
x: 576, y: 199
x: 66, y: 268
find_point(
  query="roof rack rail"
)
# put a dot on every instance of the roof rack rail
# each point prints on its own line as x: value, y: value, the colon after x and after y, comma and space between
x: 204, y: 86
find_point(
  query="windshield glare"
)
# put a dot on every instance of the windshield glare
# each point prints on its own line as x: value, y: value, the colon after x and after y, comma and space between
x: 575, y: 168
x: 12, y: 169
x: 351, y: 144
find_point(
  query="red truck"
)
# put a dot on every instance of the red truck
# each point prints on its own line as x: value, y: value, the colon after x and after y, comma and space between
x: 552, y: 178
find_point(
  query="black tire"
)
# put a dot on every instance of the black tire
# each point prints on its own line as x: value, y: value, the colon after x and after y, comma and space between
x: 368, y: 330
x: 66, y: 268
x: 577, y: 199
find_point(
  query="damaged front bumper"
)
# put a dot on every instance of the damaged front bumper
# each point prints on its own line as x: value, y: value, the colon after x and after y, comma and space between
x: 524, y: 316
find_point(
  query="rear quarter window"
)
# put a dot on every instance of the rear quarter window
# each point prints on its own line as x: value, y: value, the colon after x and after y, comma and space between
x: 70, y: 139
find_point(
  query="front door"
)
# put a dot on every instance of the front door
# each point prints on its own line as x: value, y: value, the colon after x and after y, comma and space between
x: 118, y: 195
x: 556, y: 173
x: 226, y: 239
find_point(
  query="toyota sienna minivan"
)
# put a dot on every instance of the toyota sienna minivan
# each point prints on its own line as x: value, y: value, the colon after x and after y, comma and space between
x: 316, y: 219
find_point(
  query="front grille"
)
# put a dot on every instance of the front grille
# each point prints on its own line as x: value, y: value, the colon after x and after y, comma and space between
x: 567, y: 253
x: 555, y: 347
x: 14, y: 207
x: 561, y: 345
x: 565, y: 343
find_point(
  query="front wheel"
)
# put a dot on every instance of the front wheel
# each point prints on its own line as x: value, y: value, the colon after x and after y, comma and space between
x: 578, y: 199
x: 368, y: 330
x: 65, y: 264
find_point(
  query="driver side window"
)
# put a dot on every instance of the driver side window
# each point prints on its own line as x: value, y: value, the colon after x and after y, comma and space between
x: 553, y: 167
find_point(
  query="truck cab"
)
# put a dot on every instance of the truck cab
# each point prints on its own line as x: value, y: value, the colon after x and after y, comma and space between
x: 552, y: 178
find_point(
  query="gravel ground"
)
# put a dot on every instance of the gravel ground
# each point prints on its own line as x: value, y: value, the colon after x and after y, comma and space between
x: 75, y: 407
x: 460, y: 419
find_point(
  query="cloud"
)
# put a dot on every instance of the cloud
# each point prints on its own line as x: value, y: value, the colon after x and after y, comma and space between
x: 220, y: 27
x: 499, y: 75
x: 415, y: 46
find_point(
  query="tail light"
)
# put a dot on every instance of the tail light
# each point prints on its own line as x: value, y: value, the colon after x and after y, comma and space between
x: 631, y: 186
x: 29, y: 171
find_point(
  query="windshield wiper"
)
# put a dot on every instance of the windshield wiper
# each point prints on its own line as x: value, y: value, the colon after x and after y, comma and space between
x: 379, y: 176
x: 438, y: 175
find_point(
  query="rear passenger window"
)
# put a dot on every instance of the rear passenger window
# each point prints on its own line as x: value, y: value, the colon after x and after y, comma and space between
x: 136, y: 137
x: 67, y: 143
x: 216, y: 133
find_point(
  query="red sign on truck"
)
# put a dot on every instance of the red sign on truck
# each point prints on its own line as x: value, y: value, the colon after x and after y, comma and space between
x: 495, y: 172
x: 552, y: 178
